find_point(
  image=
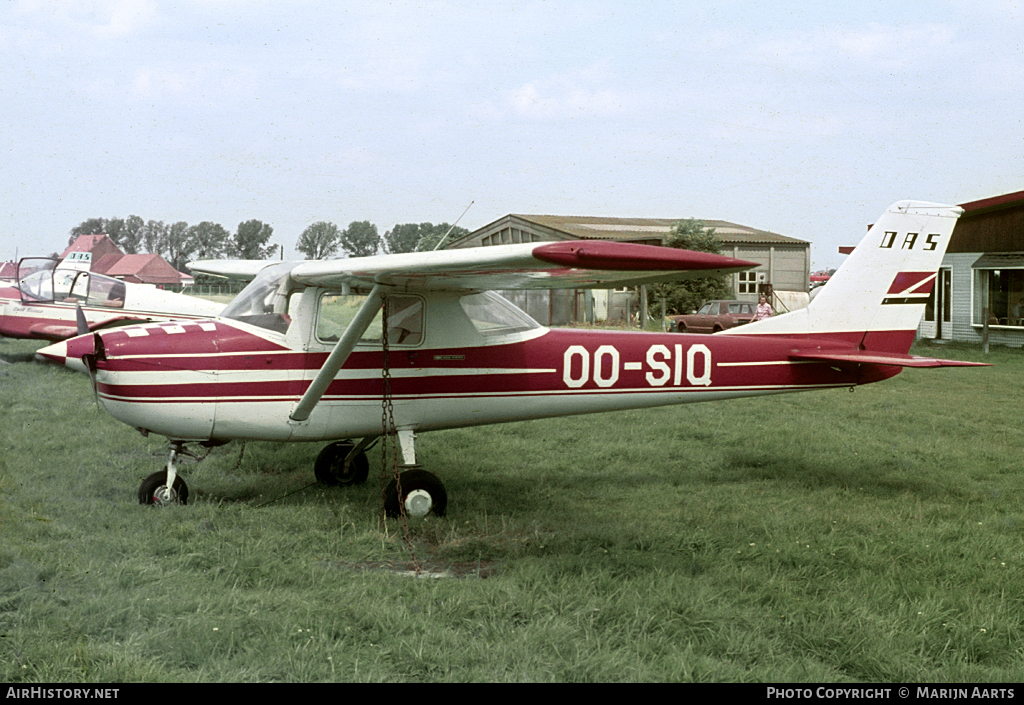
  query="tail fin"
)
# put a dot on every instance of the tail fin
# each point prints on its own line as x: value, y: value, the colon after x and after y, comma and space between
x: 876, y: 299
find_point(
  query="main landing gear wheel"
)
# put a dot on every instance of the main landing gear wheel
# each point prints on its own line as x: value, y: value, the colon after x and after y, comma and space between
x: 422, y: 493
x: 153, y: 490
x: 329, y: 467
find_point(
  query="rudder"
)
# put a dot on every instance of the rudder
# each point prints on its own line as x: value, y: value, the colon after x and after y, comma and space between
x: 876, y: 298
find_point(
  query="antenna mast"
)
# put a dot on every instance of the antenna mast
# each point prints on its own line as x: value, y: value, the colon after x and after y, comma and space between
x: 453, y: 226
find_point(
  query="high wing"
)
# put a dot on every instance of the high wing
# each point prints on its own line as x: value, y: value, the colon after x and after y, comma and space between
x: 550, y: 265
x: 244, y: 269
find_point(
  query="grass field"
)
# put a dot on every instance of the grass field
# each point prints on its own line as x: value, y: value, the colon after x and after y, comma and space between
x: 875, y: 536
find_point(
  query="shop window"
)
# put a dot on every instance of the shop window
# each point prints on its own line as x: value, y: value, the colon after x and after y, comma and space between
x: 1001, y: 292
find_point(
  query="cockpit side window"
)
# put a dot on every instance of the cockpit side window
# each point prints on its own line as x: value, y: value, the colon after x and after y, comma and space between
x: 404, y: 326
x: 106, y: 291
x: 493, y: 315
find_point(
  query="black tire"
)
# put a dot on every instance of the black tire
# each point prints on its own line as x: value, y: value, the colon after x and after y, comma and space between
x: 419, y: 481
x: 680, y: 328
x: 329, y: 467
x: 148, y: 489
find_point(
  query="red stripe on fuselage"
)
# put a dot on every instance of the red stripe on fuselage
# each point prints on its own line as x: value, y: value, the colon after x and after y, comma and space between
x: 560, y: 361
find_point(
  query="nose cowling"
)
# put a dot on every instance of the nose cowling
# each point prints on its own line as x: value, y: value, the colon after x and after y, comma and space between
x: 70, y: 352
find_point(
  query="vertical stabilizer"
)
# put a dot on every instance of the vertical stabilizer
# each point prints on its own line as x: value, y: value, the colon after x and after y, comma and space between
x: 876, y: 299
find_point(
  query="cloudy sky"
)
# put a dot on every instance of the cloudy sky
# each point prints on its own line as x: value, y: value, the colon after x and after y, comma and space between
x: 804, y: 118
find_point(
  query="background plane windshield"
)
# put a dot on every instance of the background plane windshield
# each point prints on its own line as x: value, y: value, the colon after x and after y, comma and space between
x: 35, y: 279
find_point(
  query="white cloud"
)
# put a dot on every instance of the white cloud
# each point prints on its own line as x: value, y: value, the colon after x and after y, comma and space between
x: 900, y: 48
x: 576, y: 94
x: 104, y: 19
x: 149, y: 83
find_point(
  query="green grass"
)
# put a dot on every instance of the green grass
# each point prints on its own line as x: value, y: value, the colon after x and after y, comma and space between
x: 876, y: 536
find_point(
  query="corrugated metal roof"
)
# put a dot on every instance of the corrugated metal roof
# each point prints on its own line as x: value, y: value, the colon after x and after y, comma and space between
x: 1005, y: 200
x: 990, y: 225
x: 607, y: 228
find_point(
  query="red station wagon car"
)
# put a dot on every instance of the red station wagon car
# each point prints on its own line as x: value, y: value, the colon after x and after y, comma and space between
x: 714, y: 316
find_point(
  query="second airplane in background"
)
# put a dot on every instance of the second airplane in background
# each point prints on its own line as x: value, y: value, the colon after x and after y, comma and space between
x: 45, y: 301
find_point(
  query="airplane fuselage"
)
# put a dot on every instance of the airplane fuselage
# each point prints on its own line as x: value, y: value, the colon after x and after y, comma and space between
x: 221, y: 380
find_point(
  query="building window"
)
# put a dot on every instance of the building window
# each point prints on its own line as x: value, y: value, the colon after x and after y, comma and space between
x: 1001, y: 292
x: 747, y: 282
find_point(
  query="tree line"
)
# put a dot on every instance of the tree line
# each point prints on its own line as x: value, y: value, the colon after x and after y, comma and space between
x: 324, y: 239
x: 178, y: 243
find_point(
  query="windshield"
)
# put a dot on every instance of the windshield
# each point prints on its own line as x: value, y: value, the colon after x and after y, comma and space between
x: 35, y: 279
x: 264, y: 302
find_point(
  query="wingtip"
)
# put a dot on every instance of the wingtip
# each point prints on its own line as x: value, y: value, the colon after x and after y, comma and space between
x: 630, y: 257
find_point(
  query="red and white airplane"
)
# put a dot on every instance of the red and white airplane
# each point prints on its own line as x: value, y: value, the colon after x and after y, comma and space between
x: 44, y: 299
x: 302, y: 353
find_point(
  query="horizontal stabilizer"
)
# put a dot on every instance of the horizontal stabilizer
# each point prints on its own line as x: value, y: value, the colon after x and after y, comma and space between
x: 880, y: 358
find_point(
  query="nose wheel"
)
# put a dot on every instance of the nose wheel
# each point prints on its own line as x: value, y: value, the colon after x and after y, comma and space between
x: 154, y: 490
x: 165, y: 487
x: 421, y: 493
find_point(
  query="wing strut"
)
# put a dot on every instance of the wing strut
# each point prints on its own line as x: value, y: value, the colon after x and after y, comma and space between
x: 335, y: 361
